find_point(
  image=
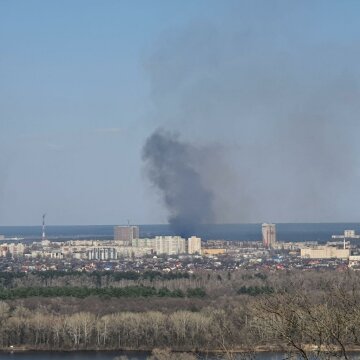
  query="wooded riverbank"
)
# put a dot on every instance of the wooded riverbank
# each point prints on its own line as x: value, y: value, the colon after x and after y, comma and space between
x: 302, y: 308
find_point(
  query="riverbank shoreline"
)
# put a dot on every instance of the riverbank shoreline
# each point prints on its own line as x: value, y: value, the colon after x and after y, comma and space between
x: 260, y: 349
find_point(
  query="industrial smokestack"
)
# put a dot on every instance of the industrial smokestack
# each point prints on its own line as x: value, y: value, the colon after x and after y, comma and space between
x: 171, y: 169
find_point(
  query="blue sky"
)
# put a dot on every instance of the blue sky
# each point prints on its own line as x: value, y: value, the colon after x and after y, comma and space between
x: 275, y: 84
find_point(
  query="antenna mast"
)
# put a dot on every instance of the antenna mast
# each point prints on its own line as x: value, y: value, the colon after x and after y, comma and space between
x: 43, y: 228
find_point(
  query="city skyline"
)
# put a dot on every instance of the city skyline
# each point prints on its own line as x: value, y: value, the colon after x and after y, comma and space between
x: 263, y: 96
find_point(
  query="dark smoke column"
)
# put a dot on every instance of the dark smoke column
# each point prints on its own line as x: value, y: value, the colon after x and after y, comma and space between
x: 170, y: 168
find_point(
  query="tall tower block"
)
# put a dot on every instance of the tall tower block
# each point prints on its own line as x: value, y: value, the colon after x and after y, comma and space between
x: 124, y: 235
x: 269, y: 235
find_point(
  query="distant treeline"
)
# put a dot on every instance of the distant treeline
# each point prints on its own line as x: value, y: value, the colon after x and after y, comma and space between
x: 97, y: 277
x: 83, y: 292
x: 175, y: 284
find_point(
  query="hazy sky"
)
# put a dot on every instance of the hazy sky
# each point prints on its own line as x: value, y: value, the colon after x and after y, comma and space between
x: 268, y: 90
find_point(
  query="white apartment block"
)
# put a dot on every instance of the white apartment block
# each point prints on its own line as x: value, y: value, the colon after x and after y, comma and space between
x: 144, y: 243
x: 105, y: 253
x: 194, y: 245
x: 170, y: 245
x: 13, y: 249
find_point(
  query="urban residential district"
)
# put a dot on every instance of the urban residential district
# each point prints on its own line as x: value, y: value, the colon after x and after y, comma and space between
x: 128, y: 252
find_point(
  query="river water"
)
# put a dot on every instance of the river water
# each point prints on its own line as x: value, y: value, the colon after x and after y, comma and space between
x: 284, y: 232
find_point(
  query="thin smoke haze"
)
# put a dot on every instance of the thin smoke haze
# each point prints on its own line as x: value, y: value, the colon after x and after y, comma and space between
x: 171, y: 169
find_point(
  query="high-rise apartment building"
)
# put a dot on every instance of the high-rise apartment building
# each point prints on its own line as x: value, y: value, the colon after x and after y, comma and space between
x: 268, y: 235
x: 170, y: 245
x: 124, y: 235
x: 194, y: 245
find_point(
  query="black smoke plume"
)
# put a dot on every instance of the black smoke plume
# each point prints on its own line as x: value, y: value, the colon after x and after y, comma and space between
x: 171, y: 168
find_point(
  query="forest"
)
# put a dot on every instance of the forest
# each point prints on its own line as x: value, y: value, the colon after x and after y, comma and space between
x: 313, y: 314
